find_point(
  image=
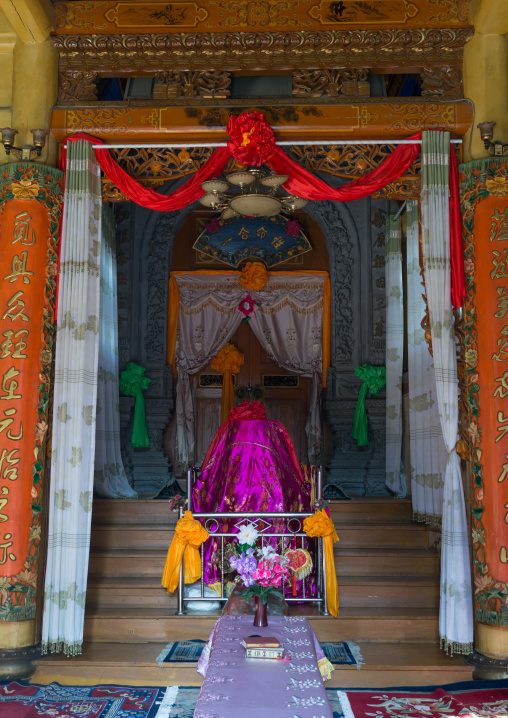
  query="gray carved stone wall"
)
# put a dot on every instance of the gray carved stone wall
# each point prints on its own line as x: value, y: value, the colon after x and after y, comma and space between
x: 354, y: 234
x: 144, y: 245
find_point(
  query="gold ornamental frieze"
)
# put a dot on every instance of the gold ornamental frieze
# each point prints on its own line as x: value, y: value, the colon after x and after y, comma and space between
x: 124, y: 16
x: 235, y: 50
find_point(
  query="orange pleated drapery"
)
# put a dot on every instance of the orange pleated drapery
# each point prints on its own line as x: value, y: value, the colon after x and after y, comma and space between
x: 321, y: 525
x: 189, y: 535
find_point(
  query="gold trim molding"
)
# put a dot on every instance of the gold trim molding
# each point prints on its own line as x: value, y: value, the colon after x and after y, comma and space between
x: 285, y: 50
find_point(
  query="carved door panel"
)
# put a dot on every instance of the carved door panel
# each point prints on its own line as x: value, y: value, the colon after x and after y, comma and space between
x: 285, y: 395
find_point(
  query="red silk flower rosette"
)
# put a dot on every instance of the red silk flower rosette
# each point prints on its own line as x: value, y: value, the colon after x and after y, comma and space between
x: 247, y: 411
x: 252, y: 140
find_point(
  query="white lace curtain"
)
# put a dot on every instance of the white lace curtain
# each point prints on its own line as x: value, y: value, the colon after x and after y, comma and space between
x: 288, y: 325
x: 395, y: 476
x: 74, y: 401
x: 110, y: 480
x: 427, y: 450
x: 456, y: 607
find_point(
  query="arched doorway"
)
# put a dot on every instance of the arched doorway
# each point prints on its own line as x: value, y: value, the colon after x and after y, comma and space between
x: 285, y: 395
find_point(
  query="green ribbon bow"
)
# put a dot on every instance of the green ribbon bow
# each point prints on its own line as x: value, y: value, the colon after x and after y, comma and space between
x: 374, y: 379
x: 133, y: 383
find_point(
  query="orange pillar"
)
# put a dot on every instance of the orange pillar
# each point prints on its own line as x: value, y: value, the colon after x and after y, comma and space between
x: 484, y: 185
x: 30, y: 210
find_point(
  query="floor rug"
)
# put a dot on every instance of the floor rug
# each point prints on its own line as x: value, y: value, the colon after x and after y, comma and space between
x: 340, y: 653
x: 343, y: 653
x: 474, y: 698
x: 24, y: 700
x: 181, y: 652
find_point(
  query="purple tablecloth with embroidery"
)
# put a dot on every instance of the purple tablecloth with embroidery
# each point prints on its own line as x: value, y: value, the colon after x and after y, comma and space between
x: 236, y: 686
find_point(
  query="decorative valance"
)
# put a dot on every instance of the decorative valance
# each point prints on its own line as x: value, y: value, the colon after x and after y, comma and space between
x: 292, y: 324
x: 252, y: 142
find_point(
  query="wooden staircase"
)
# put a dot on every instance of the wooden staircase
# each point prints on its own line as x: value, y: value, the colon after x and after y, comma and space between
x: 388, y: 590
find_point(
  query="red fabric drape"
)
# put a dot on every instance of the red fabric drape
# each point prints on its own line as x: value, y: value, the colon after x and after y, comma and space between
x: 301, y: 182
x: 189, y: 192
x: 458, y: 275
x: 304, y: 184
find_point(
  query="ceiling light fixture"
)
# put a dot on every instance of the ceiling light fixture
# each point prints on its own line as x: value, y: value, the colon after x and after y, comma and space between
x: 256, y: 197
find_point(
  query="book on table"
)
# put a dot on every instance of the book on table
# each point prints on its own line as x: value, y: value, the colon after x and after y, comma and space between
x: 260, y: 642
x: 264, y: 652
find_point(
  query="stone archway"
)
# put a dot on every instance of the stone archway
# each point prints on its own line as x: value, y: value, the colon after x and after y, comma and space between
x: 145, y: 242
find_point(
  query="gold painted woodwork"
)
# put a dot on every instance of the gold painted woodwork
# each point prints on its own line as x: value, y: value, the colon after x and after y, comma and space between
x: 32, y: 20
x: 106, y: 17
x: 17, y: 634
x: 491, y: 641
x: 235, y: 50
x: 323, y: 123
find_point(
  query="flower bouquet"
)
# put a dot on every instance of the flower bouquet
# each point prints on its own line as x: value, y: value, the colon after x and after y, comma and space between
x: 260, y: 570
x: 177, y: 501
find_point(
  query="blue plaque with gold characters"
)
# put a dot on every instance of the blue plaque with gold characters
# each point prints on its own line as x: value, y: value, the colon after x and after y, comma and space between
x: 270, y: 239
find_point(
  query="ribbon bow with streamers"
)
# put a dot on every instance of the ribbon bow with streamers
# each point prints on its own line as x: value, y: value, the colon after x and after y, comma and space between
x: 189, y: 535
x: 133, y: 383
x: 227, y: 361
x: 374, y: 379
x: 320, y: 524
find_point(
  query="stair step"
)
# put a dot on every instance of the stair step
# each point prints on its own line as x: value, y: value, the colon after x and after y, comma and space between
x: 376, y: 625
x: 157, y: 512
x: 386, y: 664
x: 145, y: 536
x: 348, y: 562
x: 372, y: 591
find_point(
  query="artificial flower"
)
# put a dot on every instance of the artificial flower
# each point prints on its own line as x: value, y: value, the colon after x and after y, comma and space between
x: 293, y: 228
x: 247, y: 307
x: 254, y: 275
x: 248, y: 534
x: 213, y: 225
x: 248, y: 412
x: 228, y: 359
x: 252, y: 140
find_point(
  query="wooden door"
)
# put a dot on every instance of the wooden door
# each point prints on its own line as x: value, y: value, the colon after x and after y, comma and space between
x: 286, y: 395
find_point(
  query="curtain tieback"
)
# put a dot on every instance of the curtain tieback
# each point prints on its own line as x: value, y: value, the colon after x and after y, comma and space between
x: 133, y: 383
x: 320, y: 524
x: 189, y: 535
x: 374, y: 380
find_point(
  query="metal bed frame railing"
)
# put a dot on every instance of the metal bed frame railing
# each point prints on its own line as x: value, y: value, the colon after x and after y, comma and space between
x: 293, y: 530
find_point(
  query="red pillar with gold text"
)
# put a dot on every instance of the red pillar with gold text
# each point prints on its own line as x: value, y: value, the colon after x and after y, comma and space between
x: 484, y: 185
x: 30, y: 210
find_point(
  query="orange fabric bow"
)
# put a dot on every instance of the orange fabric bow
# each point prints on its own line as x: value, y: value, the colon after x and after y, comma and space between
x: 321, y: 525
x: 228, y: 361
x: 254, y: 276
x: 189, y: 535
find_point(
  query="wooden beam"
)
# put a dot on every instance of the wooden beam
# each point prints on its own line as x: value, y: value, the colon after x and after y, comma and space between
x: 32, y: 20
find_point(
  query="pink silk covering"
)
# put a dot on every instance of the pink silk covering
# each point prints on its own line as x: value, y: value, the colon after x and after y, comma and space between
x: 251, y: 466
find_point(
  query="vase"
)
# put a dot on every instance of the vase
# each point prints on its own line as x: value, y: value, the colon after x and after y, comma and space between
x: 260, y: 619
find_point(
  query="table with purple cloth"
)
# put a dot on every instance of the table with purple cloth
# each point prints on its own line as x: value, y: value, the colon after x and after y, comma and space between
x: 240, y: 687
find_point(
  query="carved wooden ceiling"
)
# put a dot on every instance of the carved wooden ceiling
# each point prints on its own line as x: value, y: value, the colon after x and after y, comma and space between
x: 193, y: 49
x: 126, y: 38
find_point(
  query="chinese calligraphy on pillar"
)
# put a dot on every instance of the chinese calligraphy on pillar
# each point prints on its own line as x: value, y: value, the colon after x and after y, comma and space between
x: 485, y: 216
x: 30, y: 206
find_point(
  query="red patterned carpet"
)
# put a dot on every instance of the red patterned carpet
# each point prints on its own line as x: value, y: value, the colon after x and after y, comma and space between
x: 476, y: 699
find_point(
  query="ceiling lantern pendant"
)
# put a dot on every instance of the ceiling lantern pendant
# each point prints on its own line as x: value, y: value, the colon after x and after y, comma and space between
x: 256, y: 196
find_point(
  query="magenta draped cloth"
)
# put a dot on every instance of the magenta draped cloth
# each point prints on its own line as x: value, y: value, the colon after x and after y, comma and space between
x: 251, y: 466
